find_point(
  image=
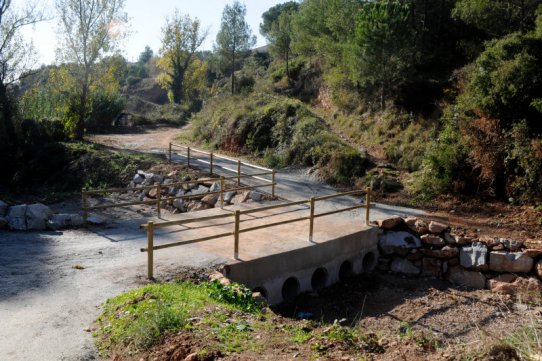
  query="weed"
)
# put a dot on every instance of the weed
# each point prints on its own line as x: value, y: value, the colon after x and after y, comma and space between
x: 235, y: 294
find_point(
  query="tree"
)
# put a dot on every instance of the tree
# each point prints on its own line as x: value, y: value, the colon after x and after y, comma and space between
x: 90, y: 30
x: 181, y: 38
x: 497, y: 18
x: 235, y: 36
x: 272, y: 15
x: 16, y: 58
x: 281, y: 38
x: 146, y: 55
x: 383, y: 53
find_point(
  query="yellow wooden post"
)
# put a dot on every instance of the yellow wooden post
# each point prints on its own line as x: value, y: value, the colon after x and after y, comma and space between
x: 84, y: 205
x: 221, y: 191
x: 238, y: 172
x: 188, y: 155
x: 236, y: 234
x: 367, y: 205
x: 150, y: 249
x: 311, y: 219
x: 169, y: 158
x: 273, y: 184
x: 211, y: 164
x: 159, y: 199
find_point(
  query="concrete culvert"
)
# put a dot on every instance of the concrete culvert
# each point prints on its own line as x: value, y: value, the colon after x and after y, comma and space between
x: 345, y: 271
x: 290, y: 289
x: 319, y: 279
x: 262, y: 291
x: 369, y: 262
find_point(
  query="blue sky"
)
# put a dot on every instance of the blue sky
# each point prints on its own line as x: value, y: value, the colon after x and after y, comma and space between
x: 147, y: 18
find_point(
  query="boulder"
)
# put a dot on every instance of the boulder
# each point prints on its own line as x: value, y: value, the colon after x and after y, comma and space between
x: 17, y: 217
x: 445, y: 252
x: 450, y: 238
x: 398, y: 242
x: 200, y: 190
x: 240, y: 198
x: 180, y: 204
x: 510, y: 262
x: 528, y: 289
x: 431, y: 267
x: 389, y: 223
x: 210, y: 199
x: 437, y: 227
x: 383, y: 264
x: 3, y: 223
x: 194, y: 206
x: 256, y: 196
x: 37, y: 216
x: 538, y: 269
x: 138, y: 179
x: 467, y: 279
x: 473, y: 256
x: 228, y: 196
x: 3, y: 208
x: 215, y: 187
x: 416, y: 225
x: 404, y: 266
x: 511, y: 245
x: 432, y: 240
x: 61, y: 221
x: 533, y: 244
x: 490, y: 242
x: 157, y: 178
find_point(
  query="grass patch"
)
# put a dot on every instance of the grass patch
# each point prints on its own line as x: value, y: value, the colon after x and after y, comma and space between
x: 136, y: 320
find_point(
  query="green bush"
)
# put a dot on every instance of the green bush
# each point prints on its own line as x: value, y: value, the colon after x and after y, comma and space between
x: 106, y: 107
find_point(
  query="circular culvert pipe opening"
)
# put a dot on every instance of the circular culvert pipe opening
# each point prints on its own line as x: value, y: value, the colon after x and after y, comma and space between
x: 290, y: 289
x: 345, y: 271
x: 262, y: 291
x: 319, y: 279
x: 369, y: 262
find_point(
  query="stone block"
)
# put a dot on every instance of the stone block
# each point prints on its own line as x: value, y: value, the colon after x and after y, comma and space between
x: 474, y: 256
x: 389, y: 223
x: 467, y: 279
x: 404, y: 266
x: 510, y: 262
x: 392, y: 242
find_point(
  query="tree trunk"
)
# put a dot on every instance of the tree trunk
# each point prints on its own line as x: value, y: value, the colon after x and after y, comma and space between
x: 6, y: 116
x: 287, y: 69
x: 233, y: 72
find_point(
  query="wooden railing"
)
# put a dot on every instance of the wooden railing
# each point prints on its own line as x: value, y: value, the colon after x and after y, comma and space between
x: 151, y: 226
x: 189, y: 151
x: 85, y: 193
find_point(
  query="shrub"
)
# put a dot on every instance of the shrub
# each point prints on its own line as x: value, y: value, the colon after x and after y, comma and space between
x: 280, y: 130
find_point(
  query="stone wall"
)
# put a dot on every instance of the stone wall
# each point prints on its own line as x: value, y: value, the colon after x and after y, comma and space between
x: 414, y: 247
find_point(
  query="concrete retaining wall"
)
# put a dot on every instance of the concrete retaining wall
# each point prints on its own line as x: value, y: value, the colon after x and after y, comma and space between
x: 282, y: 276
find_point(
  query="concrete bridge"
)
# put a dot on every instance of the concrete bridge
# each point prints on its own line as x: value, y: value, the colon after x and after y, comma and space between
x: 286, y: 259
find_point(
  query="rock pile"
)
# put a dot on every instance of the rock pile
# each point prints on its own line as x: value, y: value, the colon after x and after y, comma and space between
x: 200, y: 193
x: 37, y: 217
x: 412, y: 246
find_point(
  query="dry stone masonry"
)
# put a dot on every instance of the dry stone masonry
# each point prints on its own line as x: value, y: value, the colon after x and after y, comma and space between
x: 414, y: 247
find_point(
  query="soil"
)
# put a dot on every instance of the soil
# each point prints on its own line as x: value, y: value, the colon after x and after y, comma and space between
x: 393, y: 318
x: 142, y: 138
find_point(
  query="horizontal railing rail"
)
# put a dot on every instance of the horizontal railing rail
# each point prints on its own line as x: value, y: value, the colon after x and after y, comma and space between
x: 151, y: 226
